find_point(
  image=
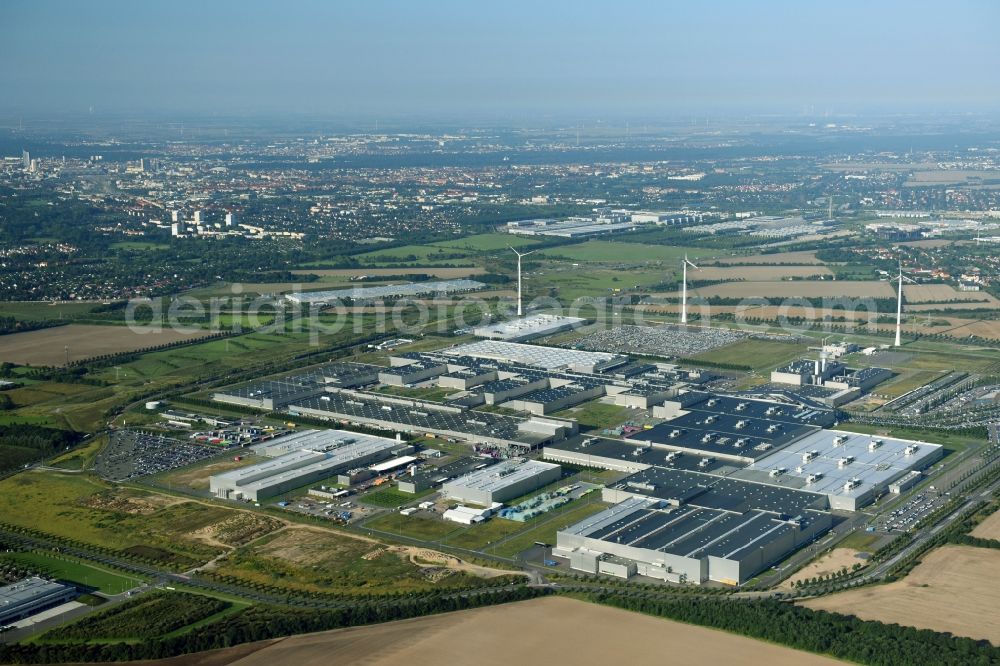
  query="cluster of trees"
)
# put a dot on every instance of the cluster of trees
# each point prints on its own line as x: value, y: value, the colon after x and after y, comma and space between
x: 145, y: 616
x: 14, y: 325
x: 836, y: 576
x: 260, y: 622
x: 24, y: 443
x: 843, y: 637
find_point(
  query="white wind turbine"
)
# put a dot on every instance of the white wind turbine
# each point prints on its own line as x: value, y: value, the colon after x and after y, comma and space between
x: 520, y: 312
x: 684, y: 288
x: 899, y: 301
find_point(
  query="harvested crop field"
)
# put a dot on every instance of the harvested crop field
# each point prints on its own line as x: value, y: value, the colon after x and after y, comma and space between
x: 757, y: 273
x: 943, y: 293
x: 989, y: 528
x: 776, y: 259
x: 549, y: 630
x: 948, y: 591
x: 46, y: 346
x: 798, y: 289
x: 831, y: 563
x: 984, y: 329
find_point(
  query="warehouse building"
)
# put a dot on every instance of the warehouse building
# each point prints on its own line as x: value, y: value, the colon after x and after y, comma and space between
x: 537, y: 356
x: 501, y: 482
x: 426, y: 478
x: 349, y: 375
x: 31, y: 596
x: 315, y: 456
x: 502, y: 390
x: 439, y: 420
x: 467, y: 378
x: 405, y: 290
x: 271, y: 394
x: 624, y: 456
x: 736, y: 438
x: 685, y: 543
x: 411, y: 373
x: 548, y: 400
x: 788, y: 409
x: 851, y: 469
x: 526, y: 328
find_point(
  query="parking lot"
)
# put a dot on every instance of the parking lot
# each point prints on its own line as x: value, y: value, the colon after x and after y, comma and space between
x: 132, y: 453
x: 666, y: 340
x: 344, y: 511
x: 904, y: 517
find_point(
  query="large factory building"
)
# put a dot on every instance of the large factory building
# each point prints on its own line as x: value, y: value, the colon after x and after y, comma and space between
x: 499, y: 483
x: 309, y: 457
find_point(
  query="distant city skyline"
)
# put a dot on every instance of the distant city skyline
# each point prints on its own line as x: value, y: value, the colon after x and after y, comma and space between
x: 454, y: 58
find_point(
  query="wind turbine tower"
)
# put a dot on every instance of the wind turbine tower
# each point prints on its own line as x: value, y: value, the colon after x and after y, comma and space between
x: 520, y: 311
x: 684, y: 288
x: 899, y: 302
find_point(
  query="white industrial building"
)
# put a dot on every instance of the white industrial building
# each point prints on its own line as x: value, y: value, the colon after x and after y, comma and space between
x: 538, y: 356
x: 499, y: 483
x: 526, y: 328
x: 405, y: 290
x: 30, y: 596
x: 302, y: 459
x: 851, y: 469
x: 684, y: 544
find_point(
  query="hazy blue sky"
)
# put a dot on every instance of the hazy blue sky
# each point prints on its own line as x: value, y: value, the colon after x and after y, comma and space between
x: 433, y: 56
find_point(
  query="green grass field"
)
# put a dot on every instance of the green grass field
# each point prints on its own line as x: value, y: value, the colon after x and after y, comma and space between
x: 391, y: 498
x: 603, y: 251
x: 545, y: 528
x: 484, y: 535
x: 321, y: 560
x: 428, y: 255
x: 568, y: 283
x: 417, y: 527
x: 139, y: 618
x: 62, y: 567
x: 906, y: 382
x: 951, y: 441
x: 139, y: 245
x: 597, y: 415
x: 757, y: 354
x: 85, y: 509
x: 82, y: 457
x: 44, y: 311
x: 487, y: 242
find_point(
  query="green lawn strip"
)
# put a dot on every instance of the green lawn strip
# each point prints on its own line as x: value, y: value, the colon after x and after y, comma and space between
x: 546, y: 527
x: 73, y: 570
